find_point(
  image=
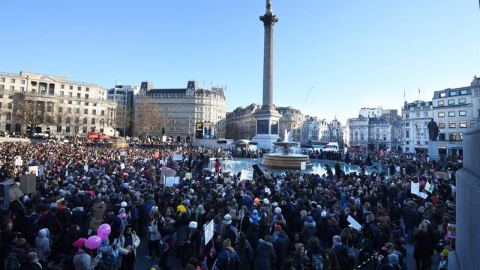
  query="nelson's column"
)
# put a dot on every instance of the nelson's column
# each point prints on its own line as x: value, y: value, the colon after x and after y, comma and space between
x: 267, y: 117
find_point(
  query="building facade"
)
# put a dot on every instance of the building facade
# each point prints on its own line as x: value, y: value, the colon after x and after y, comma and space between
x: 291, y: 122
x: 178, y: 113
x: 310, y: 129
x: 376, y: 133
x: 415, y: 118
x: 455, y: 111
x: 38, y: 103
x: 124, y: 95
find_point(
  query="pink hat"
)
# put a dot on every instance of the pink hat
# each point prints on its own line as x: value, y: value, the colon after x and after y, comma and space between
x: 79, y: 243
x: 92, y: 192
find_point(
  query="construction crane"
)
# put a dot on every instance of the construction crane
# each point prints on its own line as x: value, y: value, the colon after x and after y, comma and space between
x: 305, y: 101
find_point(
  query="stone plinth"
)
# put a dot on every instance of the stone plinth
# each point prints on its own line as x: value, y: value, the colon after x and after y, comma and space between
x: 467, y: 198
x: 433, y: 150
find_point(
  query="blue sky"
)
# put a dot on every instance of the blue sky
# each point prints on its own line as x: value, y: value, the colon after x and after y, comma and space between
x: 354, y: 53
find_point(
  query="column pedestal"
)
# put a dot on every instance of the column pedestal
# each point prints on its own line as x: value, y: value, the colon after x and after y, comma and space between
x: 433, y: 150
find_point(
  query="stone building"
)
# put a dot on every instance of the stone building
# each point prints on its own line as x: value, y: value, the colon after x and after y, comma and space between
x: 48, y: 104
x: 415, y: 118
x: 180, y: 113
x: 291, y: 121
x: 124, y: 95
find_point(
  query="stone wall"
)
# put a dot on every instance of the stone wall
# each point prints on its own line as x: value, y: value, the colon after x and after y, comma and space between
x: 466, y: 255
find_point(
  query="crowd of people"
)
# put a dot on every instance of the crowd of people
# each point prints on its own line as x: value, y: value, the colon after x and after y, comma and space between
x: 290, y: 220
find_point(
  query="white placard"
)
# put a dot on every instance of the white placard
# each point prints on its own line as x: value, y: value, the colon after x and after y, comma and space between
x: 122, y: 166
x: 177, y: 157
x: 18, y: 162
x: 33, y: 170
x: 422, y: 195
x: 415, y: 188
x: 354, y: 223
x: 188, y: 176
x: 169, y: 181
x: 246, y: 175
x: 208, y: 232
x: 303, y: 166
x: 85, y: 168
x: 176, y: 180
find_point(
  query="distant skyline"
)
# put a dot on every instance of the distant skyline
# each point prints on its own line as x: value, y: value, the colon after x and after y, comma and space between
x: 353, y: 53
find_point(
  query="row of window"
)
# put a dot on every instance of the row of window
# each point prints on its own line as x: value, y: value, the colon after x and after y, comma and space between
x: 462, y: 124
x: 453, y: 93
x: 62, y: 86
x: 452, y: 101
x: 452, y: 114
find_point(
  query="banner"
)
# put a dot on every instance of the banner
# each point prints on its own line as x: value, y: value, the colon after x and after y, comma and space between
x: 33, y: 170
x: 451, y: 230
x: 415, y: 188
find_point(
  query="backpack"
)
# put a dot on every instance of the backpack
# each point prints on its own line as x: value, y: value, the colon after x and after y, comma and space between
x: 317, y: 262
x: 11, y: 262
x: 148, y: 208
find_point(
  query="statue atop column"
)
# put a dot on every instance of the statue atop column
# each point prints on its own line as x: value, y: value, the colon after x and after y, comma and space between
x: 432, y: 130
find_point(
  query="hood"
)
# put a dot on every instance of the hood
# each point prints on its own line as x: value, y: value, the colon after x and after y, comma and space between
x: 282, y: 234
x: 309, y: 224
x: 44, y: 233
x: 262, y: 242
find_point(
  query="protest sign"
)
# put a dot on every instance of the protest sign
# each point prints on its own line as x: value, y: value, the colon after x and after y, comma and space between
x: 246, y: 175
x: 169, y: 181
x: 157, y: 154
x: 451, y: 230
x: 177, y: 157
x: 33, y: 170
x: 188, y: 176
x: 429, y: 187
x: 354, y: 223
x: 28, y: 183
x: 415, y: 189
x: 422, y: 195
x: 208, y: 232
x: 122, y: 166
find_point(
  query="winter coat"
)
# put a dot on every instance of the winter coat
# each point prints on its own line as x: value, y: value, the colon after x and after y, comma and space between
x: 322, y: 229
x: 122, y: 251
x: 246, y: 255
x: 308, y: 230
x: 280, y: 245
x: 223, y: 261
x: 409, y: 216
x: 422, y: 249
x: 42, y: 244
x: 265, y: 255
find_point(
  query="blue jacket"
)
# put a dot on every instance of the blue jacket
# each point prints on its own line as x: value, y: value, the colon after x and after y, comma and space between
x: 228, y: 260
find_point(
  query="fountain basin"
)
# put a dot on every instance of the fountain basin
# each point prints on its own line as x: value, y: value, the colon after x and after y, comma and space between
x: 288, y: 162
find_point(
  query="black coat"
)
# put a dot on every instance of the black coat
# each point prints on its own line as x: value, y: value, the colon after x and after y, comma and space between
x: 410, y: 216
x: 281, y: 246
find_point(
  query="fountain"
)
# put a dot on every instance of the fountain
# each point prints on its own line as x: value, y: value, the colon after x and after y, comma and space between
x: 286, y: 155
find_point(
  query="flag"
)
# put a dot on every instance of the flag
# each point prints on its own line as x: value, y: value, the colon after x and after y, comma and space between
x: 419, y: 88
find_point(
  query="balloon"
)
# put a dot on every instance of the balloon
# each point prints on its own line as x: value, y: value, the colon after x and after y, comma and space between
x: 104, y: 231
x: 93, y: 242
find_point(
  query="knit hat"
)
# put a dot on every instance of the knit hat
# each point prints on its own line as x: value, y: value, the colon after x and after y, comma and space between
x: 79, y: 243
x: 445, y: 252
x: 255, y: 212
x: 181, y: 208
x: 228, y: 244
x: 123, y: 204
x: 266, y: 201
x: 227, y: 219
x: 278, y: 210
x: 193, y: 225
x: 324, y: 214
x: 393, y: 258
x: 256, y: 201
x: 310, y: 219
x: 278, y: 228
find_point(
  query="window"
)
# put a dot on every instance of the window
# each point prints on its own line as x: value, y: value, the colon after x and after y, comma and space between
x: 462, y: 113
x: 407, y: 134
x: 69, y: 102
x: 84, y: 129
x: 451, y: 114
x: 452, y: 125
x: 441, y: 124
x: 462, y: 100
x: 463, y: 124
x: 78, y: 95
x: 79, y: 88
x: 71, y: 87
x: 463, y: 92
x: 67, y: 129
x: 78, y: 102
x: 86, y: 103
x: 85, y: 111
x: 95, y: 104
x: 24, y: 81
x: 94, y: 112
x: 461, y: 136
x: 59, y: 129
x: 69, y: 110
x: 443, y: 94
x: 452, y: 136
x: 407, y: 124
x: 60, y: 109
x: 70, y: 94
x: 425, y: 114
x: 406, y: 115
x: 441, y: 114
x: 441, y: 103
x: 93, y: 121
x: 62, y: 87
x: 12, y: 88
x: 453, y: 93
x: 12, y: 80
x: 87, y: 89
x: 102, y: 112
x: 441, y: 136
x: 86, y: 96
x: 85, y: 121
x: 62, y: 93
x: 2, y: 79
x: 451, y: 101
x: 22, y: 89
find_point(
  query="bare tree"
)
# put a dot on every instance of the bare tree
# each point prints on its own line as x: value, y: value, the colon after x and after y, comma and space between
x: 29, y: 109
x: 148, y: 117
x: 122, y: 120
